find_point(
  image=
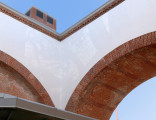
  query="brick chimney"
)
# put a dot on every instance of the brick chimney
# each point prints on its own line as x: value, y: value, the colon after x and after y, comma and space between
x: 41, y: 17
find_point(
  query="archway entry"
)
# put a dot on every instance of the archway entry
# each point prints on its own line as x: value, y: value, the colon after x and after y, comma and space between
x: 18, y: 81
x: 114, y: 76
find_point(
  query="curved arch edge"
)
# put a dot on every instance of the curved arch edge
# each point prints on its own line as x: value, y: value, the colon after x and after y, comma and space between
x: 134, y: 44
x: 31, y: 79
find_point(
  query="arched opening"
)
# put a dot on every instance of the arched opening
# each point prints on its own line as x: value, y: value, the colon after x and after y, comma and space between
x: 139, y: 104
x: 18, y: 81
x: 114, y: 76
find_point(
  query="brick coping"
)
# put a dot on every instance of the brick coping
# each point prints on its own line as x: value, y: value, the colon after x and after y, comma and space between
x: 52, y: 33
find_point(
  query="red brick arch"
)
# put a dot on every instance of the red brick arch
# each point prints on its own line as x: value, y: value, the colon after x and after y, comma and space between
x: 17, y: 80
x: 114, y: 76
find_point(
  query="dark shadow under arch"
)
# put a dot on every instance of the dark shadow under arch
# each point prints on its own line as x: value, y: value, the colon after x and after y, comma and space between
x: 17, y: 80
x: 114, y: 76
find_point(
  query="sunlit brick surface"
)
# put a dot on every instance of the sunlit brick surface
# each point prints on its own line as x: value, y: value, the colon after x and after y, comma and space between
x: 114, y: 76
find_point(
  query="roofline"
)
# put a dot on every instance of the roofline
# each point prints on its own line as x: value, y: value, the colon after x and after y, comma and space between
x: 9, y: 101
x: 52, y: 33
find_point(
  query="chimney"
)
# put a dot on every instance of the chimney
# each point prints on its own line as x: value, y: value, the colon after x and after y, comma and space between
x: 41, y: 17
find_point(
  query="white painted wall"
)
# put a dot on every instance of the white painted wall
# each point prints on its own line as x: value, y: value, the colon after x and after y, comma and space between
x: 60, y: 66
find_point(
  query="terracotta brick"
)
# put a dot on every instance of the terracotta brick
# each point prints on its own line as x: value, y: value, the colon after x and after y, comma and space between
x: 44, y: 20
x: 17, y: 80
x: 114, y: 76
x: 106, y: 95
x: 31, y: 24
x: 88, y: 109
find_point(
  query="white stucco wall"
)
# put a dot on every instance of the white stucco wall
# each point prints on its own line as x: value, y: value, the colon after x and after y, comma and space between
x: 60, y: 66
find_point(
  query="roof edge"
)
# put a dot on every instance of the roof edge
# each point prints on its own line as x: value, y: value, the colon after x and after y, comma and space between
x: 9, y: 101
x: 52, y: 33
x: 91, y: 17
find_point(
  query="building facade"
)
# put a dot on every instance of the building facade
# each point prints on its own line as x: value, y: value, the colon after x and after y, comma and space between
x: 89, y: 68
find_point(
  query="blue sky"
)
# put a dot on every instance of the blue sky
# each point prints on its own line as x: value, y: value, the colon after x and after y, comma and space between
x: 67, y: 12
x: 140, y: 103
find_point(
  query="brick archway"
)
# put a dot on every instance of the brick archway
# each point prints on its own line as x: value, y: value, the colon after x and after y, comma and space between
x: 114, y: 76
x: 17, y: 80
